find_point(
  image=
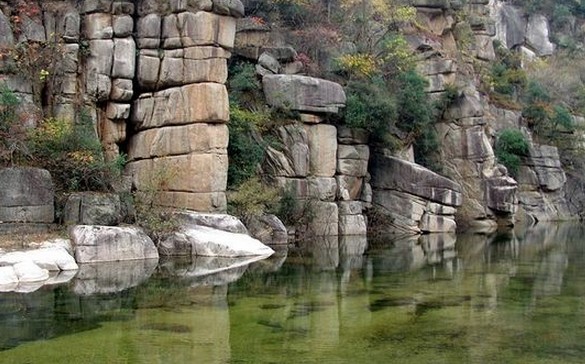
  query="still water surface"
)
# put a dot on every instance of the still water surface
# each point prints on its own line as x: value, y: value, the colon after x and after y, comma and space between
x: 507, y: 298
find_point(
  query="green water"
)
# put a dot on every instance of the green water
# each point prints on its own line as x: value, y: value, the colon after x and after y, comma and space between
x: 508, y: 298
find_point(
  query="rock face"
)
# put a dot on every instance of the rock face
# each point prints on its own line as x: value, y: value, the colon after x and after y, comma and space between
x: 26, y: 195
x: 416, y: 199
x: 109, y: 243
x: 151, y: 74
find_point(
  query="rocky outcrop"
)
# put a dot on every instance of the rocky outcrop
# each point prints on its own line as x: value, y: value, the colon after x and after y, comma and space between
x: 269, y: 230
x: 26, y: 195
x: 111, y: 243
x: 416, y: 199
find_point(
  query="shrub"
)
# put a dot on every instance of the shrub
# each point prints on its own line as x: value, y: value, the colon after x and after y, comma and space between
x: 156, y: 220
x: 12, y: 133
x: 511, y: 145
x: 245, y: 149
x: 74, y: 156
x: 252, y: 198
x: 243, y: 84
x: 370, y: 106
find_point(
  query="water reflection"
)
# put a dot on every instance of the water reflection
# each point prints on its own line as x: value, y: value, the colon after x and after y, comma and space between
x: 508, y: 297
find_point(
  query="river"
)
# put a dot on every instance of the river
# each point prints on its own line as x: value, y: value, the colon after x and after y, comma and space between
x: 516, y: 297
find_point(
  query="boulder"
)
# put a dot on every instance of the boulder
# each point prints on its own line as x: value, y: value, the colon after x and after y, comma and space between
x: 222, y: 222
x: 26, y: 195
x: 303, y: 93
x: 268, y: 229
x: 8, y: 278
x: 205, y: 241
x: 322, y: 142
x: 510, y: 24
x: 108, y: 243
x: 90, y: 208
x: 53, y: 258
x: 27, y: 271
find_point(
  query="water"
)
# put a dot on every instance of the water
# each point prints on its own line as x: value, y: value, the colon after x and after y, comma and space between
x: 513, y: 298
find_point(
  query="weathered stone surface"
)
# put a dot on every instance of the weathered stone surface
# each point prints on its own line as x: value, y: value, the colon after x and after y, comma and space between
x: 93, y: 6
x: 350, y: 207
x: 148, y: 69
x: 198, y: 201
x: 389, y: 173
x: 223, y: 222
x: 205, y: 241
x: 123, y: 26
x: 501, y: 194
x: 277, y: 164
x: 89, y: 208
x: 435, y: 66
x: 537, y: 32
x: 8, y: 279
x: 303, y: 93
x: 31, y: 29
x: 431, y: 223
x: 296, y: 148
x: 352, y: 167
x: 349, y: 187
x: 98, y: 26
x: 212, y: 169
x: 485, y: 48
x: 52, y: 258
x: 112, y: 277
x: 26, y: 195
x: 351, y: 136
x: 27, y: 271
x: 148, y: 31
x: 6, y: 36
x: 116, y: 111
x: 326, y: 219
x: 466, y: 105
x: 233, y: 8
x: 206, y: 29
x: 510, y: 24
x: 112, y: 131
x: 267, y: 61
x: 204, y: 102
x: 124, y: 64
x: 545, y: 161
x: 177, y: 140
x: 122, y: 90
x: 109, y: 243
x: 268, y: 229
x: 352, y: 225
x: 322, y: 141
x: 322, y: 188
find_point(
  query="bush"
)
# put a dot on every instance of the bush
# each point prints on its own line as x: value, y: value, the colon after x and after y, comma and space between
x: 74, y: 156
x: 243, y: 84
x: 245, y: 149
x: 511, y: 145
x: 370, y: 106
x: 252, y: 199
x: 12, y: 133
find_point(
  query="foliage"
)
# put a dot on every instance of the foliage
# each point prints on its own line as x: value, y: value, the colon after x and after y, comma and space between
x: 12, y: 133
x: 510, y: 146
x: 245, y: 89
x: 370, y: 106
x: 245, y: 148
x: 156, y: 220
x: 359, y: 65
x: 295, y: 212
x: 252, y: 198
x: 73, y: 154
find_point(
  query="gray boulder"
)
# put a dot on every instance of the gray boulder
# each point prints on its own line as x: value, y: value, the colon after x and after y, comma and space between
x: 268, y: 229
x: 90, y: 208
x: 26, y: 195
x: 222, y: 222
x: 303, y: 93
x: 205, y: 241
x: 109, y: 243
